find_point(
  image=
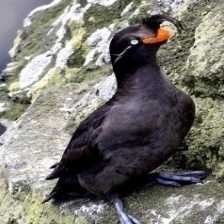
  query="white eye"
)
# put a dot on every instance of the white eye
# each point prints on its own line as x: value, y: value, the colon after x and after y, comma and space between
x: 134, y: 42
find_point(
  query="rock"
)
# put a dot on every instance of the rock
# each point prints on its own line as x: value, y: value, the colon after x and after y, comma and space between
x: 190, y: 204
x: 3, y: 107
x: 106, y: 88
x: 28, y: 20
x: 48, y: 54
x: 10, y: 69
x: 31, y: 126
x: 76, y: 79
x: 64, y: 54
x: 127, y: 9
x: 206, y: 61
x: 34, y: 70
x: 99, y: 42
x: 103, y: 2
x: 177, y: 59
x: 14, y: 50
x: 6, y: 123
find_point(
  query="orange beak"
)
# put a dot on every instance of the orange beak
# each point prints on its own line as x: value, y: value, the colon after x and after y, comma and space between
x: 163, y: 34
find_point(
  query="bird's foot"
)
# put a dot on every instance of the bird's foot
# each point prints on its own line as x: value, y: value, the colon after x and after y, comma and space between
x: 180, y: 178
x: 123, y: 216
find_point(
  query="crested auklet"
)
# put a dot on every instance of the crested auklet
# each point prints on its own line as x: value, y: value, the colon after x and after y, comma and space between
x: 134, y: 132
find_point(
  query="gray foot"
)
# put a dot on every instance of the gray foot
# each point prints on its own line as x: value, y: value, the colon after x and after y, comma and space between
x: 180, y: 178
x: 123, y: 216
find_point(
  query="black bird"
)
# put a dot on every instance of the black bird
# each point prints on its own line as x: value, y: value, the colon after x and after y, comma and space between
x: 2, y: 129
x: 133, y: 133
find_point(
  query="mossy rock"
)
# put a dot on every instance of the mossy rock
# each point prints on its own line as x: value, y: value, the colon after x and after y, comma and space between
x: 207, y: 151
x: 205, y: 65
x: 70, y: 95
x: 204, y: 142
x: 14, y: 112
x: 174, y: 55
x: 37, y: 31
x: 100, y: 16
x: 27, y: 207
x: 4, y: 93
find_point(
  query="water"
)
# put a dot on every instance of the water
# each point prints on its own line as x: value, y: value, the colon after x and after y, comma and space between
x: 12, y: 13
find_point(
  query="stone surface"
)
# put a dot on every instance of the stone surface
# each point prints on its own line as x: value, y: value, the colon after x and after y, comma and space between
x: 3, y: 107
x: 34, y: 70
x: 164, y: 205
x: 206, y: 61
x: 98, y: 41
x: 78, y: 79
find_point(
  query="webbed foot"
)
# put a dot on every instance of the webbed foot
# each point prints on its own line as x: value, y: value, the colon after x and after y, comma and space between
x: 180, y: 178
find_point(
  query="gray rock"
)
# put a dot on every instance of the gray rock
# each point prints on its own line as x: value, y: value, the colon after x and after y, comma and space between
x: 44, y: 121
x: 206, y: 61
x: 3, y: 106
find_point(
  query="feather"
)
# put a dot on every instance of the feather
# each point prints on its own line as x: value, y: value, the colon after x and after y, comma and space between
x: 154, y: 21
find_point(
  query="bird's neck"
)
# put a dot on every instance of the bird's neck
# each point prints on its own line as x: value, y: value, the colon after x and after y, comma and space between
x: 145, y: 78
x: 128, y: 66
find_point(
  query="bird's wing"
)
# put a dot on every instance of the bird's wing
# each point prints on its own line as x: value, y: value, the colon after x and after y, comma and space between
x: 81, y: 150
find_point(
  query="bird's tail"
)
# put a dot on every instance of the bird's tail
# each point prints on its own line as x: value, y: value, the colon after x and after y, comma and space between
x: 66, y: 188
x: 58, y: 171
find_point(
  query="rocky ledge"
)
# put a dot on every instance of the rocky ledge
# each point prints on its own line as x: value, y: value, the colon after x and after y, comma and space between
x: 60, y: 72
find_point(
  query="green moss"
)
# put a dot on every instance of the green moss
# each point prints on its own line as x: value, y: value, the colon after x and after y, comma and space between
x: 156, y: 204
x: 3, y: 93
x: 27, y: 208
x: 82, y: 2
x: 37, y: 31
x: 88, y: 74
x: 82, y: 76
x: 144, y: 7
x: 100, y: 16
x: 205, y: 64
x: 31, y: 210
x: 204, y: 143
x: 78, y: 37
x: 13, y: 86
x: 15, y: 111
x: 13, y: 77
x: 77, y: 58
x: 219, y: 171
x: 204, y: 148
x: 33, y: 39
x: 86, y: 77
x: 208, y: 149
x: 78, y: 34
x: 54, y: 77
x: 173, y: 56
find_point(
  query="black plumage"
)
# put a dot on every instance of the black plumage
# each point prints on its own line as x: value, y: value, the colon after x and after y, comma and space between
x: 137, y: 130
x: 2, y: 129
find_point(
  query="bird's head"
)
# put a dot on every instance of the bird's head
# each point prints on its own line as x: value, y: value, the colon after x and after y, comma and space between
x: 137, y: 45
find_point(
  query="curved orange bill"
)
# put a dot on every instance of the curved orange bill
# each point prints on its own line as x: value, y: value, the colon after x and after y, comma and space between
x: 163, y: 34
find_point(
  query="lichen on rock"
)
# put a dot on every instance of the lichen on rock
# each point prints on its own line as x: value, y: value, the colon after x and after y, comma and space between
x: 205, y: 64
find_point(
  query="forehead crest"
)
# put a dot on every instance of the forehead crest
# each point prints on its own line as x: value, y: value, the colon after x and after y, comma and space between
x: 153, y: 22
